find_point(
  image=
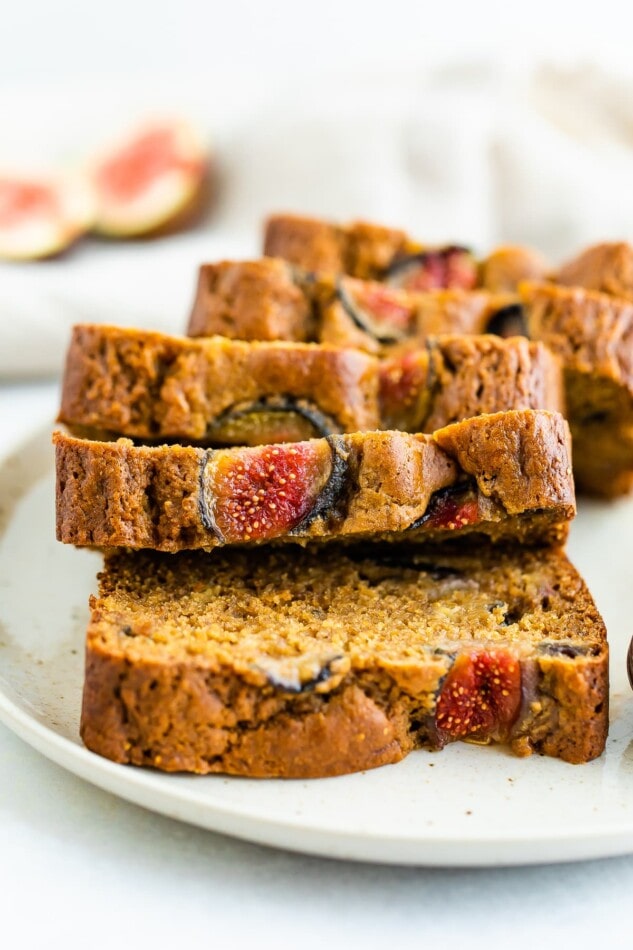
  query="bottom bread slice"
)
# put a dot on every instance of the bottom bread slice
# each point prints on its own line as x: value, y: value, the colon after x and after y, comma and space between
x: 321, y: 662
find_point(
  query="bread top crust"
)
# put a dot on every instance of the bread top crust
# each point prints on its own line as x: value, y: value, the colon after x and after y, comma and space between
x: 606, y: 267
x: 591, y: 332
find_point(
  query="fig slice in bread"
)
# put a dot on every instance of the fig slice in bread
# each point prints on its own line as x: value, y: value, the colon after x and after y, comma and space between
x: 257, y: 494
x: 271, y: 419
x: 406, y: 390
x: 480, y: 697
x: 378, y: 310
x: 451, y: 509
x: 314, y: 662
x: 434, y: 269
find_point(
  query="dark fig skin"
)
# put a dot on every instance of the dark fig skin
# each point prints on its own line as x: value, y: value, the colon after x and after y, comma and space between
x: 449, y: 508
x: 391, y: 327
x: 509, y: 321
x: 271, y: 419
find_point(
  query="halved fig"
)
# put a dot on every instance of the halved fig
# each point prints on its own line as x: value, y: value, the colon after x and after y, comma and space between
x: 376, y: 309
x: 40, y: 217
x: 256, y: 494
x: 480, y: 697
x: 271, y: 419
x: 435, y: 269
x: 152, y: 180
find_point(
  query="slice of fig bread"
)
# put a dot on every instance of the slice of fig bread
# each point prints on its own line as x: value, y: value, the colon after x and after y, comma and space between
x: 269, y: 299
x: 503, y: 475
x: 374, y: 252
x: 324, y: 661
x: 154, y: 387
x: 607, y: 267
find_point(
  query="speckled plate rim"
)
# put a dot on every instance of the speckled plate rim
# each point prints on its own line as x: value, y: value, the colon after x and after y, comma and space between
x: 437, y: 850
x: 162, y: 794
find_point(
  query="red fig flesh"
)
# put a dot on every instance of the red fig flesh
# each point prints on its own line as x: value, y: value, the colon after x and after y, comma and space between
x: 40, y: 217
x: 149, y: 181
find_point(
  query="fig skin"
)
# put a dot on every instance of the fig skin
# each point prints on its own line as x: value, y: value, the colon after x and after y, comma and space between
x: 271, y: 420
x: 157, y: 181
x: 41, y: 216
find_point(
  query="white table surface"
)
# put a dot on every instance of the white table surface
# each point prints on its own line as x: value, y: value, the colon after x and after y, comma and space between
x: 80, y: 868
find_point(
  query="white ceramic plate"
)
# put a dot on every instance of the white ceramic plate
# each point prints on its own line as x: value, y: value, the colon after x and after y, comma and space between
x: 464, y: 806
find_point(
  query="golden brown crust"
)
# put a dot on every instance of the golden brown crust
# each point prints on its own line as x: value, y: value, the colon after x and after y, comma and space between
x: 297, y: 239
x: 118, y: 494
x: 349, y: 733
x: 344, y: 697
x: 363, y: 249
x: 506, y: 267
x: 360, y: 248
x: 153, y: 386
x: 251, y: 300
x: 606, y: 267
x: 508, y: 461
x: 590, y: 331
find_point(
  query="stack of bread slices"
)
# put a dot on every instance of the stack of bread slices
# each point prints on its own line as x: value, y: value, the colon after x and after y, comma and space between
x: 334, y: 514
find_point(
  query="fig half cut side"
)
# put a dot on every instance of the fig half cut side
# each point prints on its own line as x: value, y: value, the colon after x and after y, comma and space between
x: 154, y: 180
x: 41, y: 216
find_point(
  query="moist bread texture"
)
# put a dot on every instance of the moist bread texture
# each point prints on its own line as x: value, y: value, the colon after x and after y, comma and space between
x: 504, y: 475
x: 327, y: 661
